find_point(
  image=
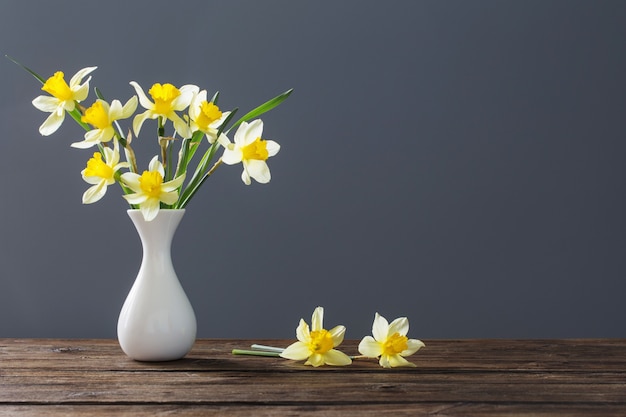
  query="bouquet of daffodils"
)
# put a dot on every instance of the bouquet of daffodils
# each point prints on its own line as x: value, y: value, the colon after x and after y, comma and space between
x: 169, y: 181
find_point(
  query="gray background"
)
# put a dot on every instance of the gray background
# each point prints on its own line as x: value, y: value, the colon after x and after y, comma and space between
x: 457, y: 162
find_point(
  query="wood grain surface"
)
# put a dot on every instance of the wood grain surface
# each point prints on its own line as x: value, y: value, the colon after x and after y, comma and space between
x: 53, y: 377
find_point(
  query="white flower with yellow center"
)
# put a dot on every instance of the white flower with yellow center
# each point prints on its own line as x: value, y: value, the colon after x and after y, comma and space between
x: 390, y: 342
x: 317, y: 345
x: 206, y: 117
x: 167, y: 100
x: 101, y: 116
x: 252, y: 151
x: 150, y: 190
x: 63, y: 97
x: 101, y: 173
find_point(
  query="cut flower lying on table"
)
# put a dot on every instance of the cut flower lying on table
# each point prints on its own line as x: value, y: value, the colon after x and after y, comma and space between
x: 169, y: 182
x: 390, y: 344
x: 317, y: 345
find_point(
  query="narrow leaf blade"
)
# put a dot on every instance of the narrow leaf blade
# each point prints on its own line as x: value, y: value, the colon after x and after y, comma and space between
x: 30, y: 71
x: 263, y: 108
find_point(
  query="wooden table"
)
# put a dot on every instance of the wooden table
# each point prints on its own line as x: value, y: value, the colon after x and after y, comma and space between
x: 51, y: 377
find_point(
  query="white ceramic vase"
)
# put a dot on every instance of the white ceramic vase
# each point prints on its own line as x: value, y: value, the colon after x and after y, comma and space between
x: 157, y: 321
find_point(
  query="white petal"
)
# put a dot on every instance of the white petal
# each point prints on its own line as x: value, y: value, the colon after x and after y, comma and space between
x: 179, y: 124
x: 110, y: 156
x: 223, y: 139
x: 169, y: 197
x: 240, y: 134
x: 317, y: 319
x: 255, y: 130
x: 173, y: 184
x: 81, y: 93
x: 129, y: 108
x: 370, y: 347
x: 121, y: 165
x: 337, y: 333
x: 115, y: 110
x: 315, y: 359
x: 95, y: 193
x: 95, y: 136
x: 258, y: 170
x: 194, y: 107
x: 397, y: 361
x: 296, y: 351
x: 78, y: 77
x: 52, y: 124
x: 232, y: 156
x: 155, y: 165
x: 245, y: 177
x: 337, y: 358
x: 150, y: 208
x: 384, y: 361
x: 132, y: 181
x: 46, y: 103
x: 303, y: 333
x: 137, y: 198
x: 143, y: 99
x: 399, y: 325
x: 380, y: 328
x: 89, y: 180
x: 187, y: 93
x: 413, y: 346
x: 138, y: 121
x: 85, y: 144
x: 68, y: 105
x: 272, y: 147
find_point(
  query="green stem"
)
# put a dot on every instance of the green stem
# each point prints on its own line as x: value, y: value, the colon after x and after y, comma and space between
x: 255, y: 353
x: 192, y: 189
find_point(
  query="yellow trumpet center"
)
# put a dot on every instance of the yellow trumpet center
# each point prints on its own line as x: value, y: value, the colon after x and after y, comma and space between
x: 97, y: 168
x: 163, y: 96
x: 97, y: 116
x: 256, y: 150
x: 395, y: 344
x: 209, y: 113
x: 150, y: 183
x: 321, y: 341
x: 57, y: 87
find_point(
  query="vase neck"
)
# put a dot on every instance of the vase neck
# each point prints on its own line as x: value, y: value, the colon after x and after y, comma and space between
x: 158, y: 233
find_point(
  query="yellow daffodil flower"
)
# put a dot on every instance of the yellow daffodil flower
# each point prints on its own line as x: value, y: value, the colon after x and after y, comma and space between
x: 206, y: 117
x: 167, y: 100
x: 101, y: 116
x: 101, y: 173
x: 390, y: 342
x: 317, y: 345
x: 62, y: 98
x: 150, y: 190
x: 249, y: 149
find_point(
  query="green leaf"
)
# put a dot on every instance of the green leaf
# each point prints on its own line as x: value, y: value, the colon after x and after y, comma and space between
x: 263, y: 108
x: 196, y: 180
x: 99, y: 93
x: 76, y: 115
x: 33, y: 73
x: 169, y: 166
x: 191, y: 191
x: 182, y: 158
x: 196, y: 140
